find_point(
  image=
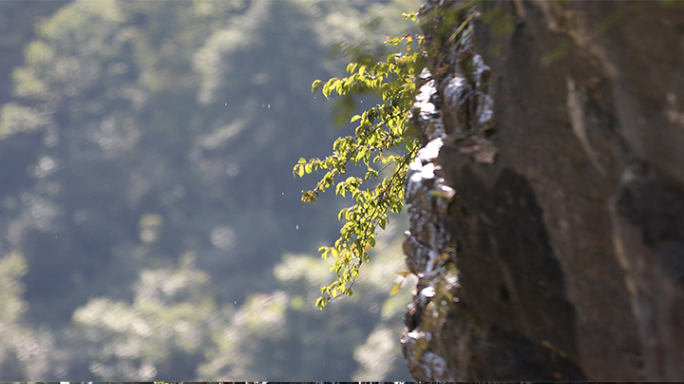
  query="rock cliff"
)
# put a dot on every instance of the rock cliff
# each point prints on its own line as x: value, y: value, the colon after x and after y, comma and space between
x: 547, y: 205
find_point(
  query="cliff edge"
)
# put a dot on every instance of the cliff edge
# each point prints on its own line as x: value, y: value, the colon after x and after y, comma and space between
x: 547, y: 205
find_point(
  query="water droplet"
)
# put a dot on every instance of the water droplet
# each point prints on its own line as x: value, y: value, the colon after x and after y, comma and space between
x: 297, y: 227
x: 282, y: 193
x: 269, y: 106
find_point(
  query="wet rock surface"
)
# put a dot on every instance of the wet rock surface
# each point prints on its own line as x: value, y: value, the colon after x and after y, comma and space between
x: 547, y: 206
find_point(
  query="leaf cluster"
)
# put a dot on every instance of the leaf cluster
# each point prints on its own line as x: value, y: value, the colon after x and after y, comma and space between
x: 380, y: 140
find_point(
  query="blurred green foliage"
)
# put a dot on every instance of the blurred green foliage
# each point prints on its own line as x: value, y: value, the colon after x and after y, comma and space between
x: 149, y: 225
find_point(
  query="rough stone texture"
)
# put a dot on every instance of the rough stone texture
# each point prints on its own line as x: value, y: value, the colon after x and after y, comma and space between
x: 557, y: 193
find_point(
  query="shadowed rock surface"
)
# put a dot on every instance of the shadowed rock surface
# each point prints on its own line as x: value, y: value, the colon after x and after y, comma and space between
x: 547, y: 207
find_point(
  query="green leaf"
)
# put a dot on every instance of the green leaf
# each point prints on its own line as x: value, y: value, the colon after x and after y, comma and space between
x: 395, y: 289
x: 327, y: 87
x: 316, y: 86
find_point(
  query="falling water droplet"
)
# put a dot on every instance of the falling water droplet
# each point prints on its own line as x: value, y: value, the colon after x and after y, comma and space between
x: 297, y: 227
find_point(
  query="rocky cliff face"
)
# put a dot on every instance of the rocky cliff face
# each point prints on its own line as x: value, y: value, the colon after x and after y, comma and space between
x: 547, y: 206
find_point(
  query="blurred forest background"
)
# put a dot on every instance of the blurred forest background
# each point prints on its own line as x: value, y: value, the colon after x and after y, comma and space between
x: 150, y: 225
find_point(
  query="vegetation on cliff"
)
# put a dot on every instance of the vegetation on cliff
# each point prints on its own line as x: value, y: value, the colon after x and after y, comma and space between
x: 384, y: 143
x: 381, y: 142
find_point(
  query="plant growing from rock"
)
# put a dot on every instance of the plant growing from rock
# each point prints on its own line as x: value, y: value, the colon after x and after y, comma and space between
x: 380, y: 142
x: 382, y: 139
